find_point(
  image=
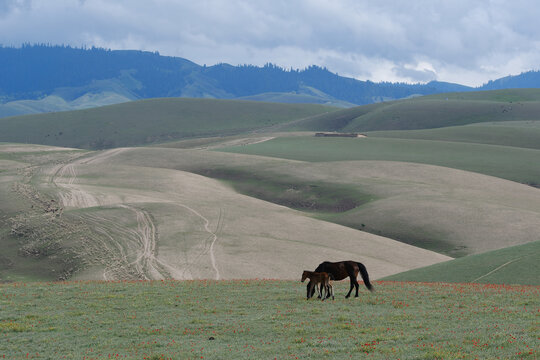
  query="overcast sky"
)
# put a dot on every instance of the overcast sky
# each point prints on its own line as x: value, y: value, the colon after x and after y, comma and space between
x: 467, y: 42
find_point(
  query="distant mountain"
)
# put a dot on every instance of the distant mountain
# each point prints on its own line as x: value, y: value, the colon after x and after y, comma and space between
x: 42, y: 78
x: 530, y: 79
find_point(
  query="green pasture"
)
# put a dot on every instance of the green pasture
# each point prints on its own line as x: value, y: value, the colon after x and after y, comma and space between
x: 513, y: 265
x: 503, y: 95
x: 150, y: 121
x: 266, y: 319
x: 516, y: 164
x: 523, y: 134
x: 426, y: 112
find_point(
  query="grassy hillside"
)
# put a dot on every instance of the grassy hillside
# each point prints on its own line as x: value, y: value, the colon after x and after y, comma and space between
x: 29, y: 237
x: 516, y: 264
x: 429, y: 112
x: 524, y: 134
x: 149, y: 121
x: 265, y: 319
x: 516, y: 164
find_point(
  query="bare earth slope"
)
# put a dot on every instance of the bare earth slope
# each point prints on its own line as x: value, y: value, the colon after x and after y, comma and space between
x: 446, y: 210
x: 206, y: 230
x: 154, y: 223
x: 145, y: 213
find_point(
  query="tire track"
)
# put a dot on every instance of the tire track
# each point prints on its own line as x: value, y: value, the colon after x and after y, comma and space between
x: 71, y: 195
x: 497, y: 269
x: 142, y: 242
x: 211, y: 240
x: 136, y: 253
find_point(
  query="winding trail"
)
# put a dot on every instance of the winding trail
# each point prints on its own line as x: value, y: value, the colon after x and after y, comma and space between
x: 213, y: 237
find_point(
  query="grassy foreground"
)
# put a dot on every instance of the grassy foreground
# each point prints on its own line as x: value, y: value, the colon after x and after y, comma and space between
x: 266, y: 319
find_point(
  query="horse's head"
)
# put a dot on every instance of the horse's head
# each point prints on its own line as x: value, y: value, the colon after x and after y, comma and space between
x: 305, y: 275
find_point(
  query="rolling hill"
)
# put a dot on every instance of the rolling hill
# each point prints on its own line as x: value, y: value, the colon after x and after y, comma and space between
x: 433, y: 111
x: 149, y: 121
x: 129, y: 214
x: 515, y: 264
x: 229, y: 189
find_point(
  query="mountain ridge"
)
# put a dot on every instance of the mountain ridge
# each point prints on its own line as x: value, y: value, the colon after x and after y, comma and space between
x: 32, y: 73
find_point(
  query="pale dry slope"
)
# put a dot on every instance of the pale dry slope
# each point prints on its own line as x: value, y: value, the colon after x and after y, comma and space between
x: 471, y: 212
x: 464, y: 212
x: 132, y: 251
x: 195, y: 227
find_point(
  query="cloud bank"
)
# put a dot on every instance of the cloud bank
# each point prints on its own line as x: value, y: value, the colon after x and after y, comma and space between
x: 468, y: 42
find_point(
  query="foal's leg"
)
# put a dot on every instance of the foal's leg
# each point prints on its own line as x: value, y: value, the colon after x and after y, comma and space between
x: 312, y: 286
x: 319, y: 290
x: 308, y: 290
x: 324, y: 285
x: 330, y: 290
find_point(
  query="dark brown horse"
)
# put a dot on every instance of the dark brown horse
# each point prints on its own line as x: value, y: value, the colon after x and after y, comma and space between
x: 340, y: 270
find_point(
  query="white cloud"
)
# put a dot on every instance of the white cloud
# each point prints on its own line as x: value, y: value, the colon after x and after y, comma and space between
x: 461, y: 41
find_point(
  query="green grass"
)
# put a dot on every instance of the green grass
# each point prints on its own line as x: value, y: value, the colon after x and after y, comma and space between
x: 504, y: 95
x: 524, y: 134
x: 521, y: 165
x: 150, y: 121
x: 516, y: 264
x: 265, y: 319
x: 426, y: 112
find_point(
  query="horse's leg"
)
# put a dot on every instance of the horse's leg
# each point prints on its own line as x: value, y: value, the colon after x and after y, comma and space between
x: 350, y: 290
x: 356, y: 282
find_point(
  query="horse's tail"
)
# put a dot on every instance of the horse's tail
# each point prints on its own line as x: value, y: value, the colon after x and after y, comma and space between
x: 365, y: 276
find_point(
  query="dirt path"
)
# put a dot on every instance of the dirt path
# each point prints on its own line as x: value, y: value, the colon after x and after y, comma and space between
x: 140, y: 244
x: 65, y: 178
x: 211, y: 240
x: 134, y: 251
x: 497, y: 269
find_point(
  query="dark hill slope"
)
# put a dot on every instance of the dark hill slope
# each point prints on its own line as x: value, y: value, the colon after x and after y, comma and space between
x: 429, y: 112
x: 149, y: 121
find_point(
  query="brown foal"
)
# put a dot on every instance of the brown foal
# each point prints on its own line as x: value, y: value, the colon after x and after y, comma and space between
x: 321, y: 280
